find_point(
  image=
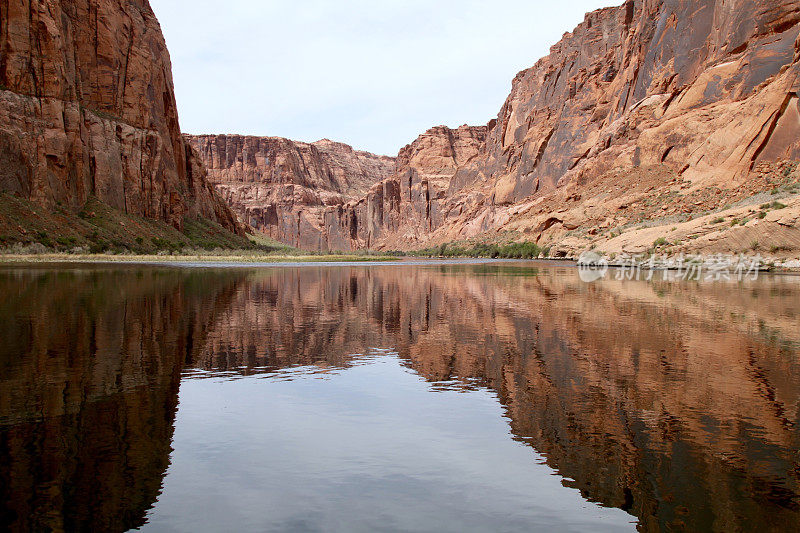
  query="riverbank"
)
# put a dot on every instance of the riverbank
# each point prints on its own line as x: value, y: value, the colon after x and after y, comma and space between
x: 188, y: 258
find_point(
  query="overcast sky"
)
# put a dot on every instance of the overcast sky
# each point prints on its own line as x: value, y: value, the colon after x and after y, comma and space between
x: 373, y: 74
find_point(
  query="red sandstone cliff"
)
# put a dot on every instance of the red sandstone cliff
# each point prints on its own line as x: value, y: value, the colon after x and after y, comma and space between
x: 401, y: 211
x: 650, y: 113
x: 703, y: 91
x: 282, y: 187
x: 87, y: 108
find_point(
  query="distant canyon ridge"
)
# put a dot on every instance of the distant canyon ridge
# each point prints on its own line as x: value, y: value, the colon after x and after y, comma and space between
x: 327, y: 196
x: 658, y: 121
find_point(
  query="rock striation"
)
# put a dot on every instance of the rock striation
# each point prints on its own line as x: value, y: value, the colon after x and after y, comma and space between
x: 401, y: 211
x: 283, y: 187
x: 706, y: 90
x: 691, y: 97
x: 87, y: 108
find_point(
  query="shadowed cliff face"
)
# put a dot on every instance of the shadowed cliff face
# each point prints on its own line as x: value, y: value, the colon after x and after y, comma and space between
x: 87, y: 108
x: 677, y: 403
x: 91, y: 364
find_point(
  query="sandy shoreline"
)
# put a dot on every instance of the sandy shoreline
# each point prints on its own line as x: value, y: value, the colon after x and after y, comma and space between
x: 256, y: 261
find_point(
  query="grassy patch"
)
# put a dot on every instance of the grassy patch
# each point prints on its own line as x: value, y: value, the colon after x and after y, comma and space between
x: 517, y: 250
x: 780, y: 248
x: 100, y: 228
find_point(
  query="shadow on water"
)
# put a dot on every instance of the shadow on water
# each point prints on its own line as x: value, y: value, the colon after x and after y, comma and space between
x: 676, y: 402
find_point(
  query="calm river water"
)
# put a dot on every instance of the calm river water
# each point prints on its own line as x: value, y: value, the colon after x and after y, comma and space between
x: 433, y: 397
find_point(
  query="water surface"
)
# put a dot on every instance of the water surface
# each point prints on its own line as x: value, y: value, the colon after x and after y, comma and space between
x: 495, y: 396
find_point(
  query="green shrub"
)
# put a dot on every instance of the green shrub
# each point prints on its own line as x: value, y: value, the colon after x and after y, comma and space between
x: 67, y: 241
x: 779, y: 248
x: 98, y: 247
x: 521, y: 250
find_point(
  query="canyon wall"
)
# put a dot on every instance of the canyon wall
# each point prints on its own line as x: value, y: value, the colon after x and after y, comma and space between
x: 87, y: 108
x: 400, y: 211
x: 282, y: 187
x: 327, y: 196
x: 702, y: 91
x: 653, y: 111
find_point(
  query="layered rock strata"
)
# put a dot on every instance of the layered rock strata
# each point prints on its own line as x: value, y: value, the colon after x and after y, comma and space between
x: 692, y: 97
x: 87, y: 108
x: 282, y: 187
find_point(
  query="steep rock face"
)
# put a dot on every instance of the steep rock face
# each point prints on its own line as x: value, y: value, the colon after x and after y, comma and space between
x: 401, y: 210
x: 704, y: 89
x: 282, y: 187
x: 87, y: 107
x: 699, y: 92
x: 702, y: 84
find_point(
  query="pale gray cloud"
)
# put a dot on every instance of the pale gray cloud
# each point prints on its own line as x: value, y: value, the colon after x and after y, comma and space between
x: 372, y: 74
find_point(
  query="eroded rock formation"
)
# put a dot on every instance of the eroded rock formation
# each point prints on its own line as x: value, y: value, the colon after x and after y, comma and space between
x: 688, y: 96
x: 87, y: 108
x: 282, y: 187
x: 403, y: 210
x: 701, y: 90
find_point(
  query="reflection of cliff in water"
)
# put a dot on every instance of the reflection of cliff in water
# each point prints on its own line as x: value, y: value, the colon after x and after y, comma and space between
x: 90, y: 366
x: 676, y: 402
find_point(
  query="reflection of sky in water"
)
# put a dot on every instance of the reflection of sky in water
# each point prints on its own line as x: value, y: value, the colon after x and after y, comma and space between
x: 365, y: 448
